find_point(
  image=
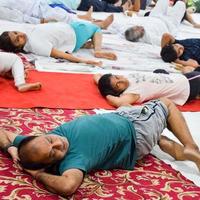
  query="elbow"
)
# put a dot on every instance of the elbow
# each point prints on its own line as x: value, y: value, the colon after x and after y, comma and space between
x: 69, y: 189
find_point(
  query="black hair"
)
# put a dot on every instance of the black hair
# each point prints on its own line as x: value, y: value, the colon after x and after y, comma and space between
x: 6, y: 43
x: 25, y: 161
x: 105, y: 86
x: 168, y: 53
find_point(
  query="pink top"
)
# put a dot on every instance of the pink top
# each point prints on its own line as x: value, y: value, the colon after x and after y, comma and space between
x: 152, y: 86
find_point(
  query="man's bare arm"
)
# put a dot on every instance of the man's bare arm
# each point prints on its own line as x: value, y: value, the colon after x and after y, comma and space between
x: 126, y: 99
x: 64, y: 185
x: 167, y: 39
x: 189, y: 62
x: 190, y: 19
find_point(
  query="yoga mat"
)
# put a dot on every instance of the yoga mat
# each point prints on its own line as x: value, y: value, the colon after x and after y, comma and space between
x: 60, y: 90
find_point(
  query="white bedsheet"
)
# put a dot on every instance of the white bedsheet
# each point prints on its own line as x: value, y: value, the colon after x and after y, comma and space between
x: 131, y: 56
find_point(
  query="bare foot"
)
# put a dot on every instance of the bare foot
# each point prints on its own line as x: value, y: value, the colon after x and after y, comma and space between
x: 127, y: 6
x: 29, y: 87
x: 192, y: 155
x: 106, y: 55
x: 106, y: 23
x: 118, y: 3
x: 88, y: 15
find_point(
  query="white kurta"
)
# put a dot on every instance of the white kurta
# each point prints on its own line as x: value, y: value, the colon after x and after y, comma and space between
x: 32, y: 11
x: 13, y: 63
x: 43, y: 37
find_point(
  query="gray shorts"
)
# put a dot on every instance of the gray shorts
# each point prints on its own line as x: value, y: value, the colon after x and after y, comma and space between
x: 149, y: 121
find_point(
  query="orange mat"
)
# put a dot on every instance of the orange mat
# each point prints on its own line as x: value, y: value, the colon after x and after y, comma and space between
x: 60, y: 90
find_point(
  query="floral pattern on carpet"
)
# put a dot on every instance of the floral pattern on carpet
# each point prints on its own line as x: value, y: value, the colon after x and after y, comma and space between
x: 151, y: 178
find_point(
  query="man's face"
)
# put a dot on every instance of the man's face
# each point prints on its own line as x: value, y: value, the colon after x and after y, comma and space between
x: 18, y: 39
x: 179, y: 49
x: 119, y: 83
x: 139, y: 30
x: 48, y: 149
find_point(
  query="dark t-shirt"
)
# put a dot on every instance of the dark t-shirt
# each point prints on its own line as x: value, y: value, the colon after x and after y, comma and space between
x: 191, y: 49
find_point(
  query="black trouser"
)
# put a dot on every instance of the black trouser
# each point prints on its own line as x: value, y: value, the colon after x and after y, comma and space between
x: 194, y: 81
x: 99, y: 6
x: 193, y: 78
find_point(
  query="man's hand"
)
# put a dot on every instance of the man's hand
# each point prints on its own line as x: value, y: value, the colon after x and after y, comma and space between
x: 34, y: 173
x: 14, y: 154
x: 167, y: 39
x: 4, y: 139
x: 196, y: 25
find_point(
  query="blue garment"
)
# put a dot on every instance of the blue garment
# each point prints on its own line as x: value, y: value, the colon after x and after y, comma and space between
x: 191, y: 49
x: 53, y: 5
x: 84, y: 31
x: 99, y: 6
x: 72, y: 4
x: 106, y: 141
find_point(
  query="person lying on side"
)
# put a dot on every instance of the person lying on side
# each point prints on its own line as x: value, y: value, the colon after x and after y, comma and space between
x: 11, y: 66
x: 139, y: 87
x: 185, y: 52
x: 61, y: 158
x: 57, y: 40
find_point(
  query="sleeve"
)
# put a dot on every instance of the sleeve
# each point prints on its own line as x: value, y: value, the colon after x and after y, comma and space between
x: 73, y: 161
x: 10, y: 61
x: 7, y: 59
x: 41, y: 47
x: 31, y: 20
x: 18, y: 140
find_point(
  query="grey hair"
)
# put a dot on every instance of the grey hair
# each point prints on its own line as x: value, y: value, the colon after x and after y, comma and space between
x: 132, y: 34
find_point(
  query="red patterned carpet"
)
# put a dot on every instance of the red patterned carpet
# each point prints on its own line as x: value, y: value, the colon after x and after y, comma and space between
x: 151, y: 179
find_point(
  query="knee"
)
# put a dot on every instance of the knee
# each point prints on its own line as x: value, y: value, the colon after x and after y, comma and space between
x: 166, y: 101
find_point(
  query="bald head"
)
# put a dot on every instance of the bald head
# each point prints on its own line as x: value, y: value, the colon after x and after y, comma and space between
x: 42, y: 151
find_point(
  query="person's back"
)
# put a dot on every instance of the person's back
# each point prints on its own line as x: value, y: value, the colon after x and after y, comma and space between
x: 104, y: 141
x: 191, y: 49
x: 44, y: 37
x: 152, y: 85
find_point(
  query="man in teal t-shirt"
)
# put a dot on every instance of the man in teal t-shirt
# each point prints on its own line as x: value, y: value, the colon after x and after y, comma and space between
x: 106, y: 141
